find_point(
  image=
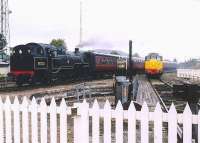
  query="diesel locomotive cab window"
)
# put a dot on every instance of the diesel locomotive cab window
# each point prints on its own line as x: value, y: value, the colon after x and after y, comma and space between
x: 159, y: 58
x: 147, y: 58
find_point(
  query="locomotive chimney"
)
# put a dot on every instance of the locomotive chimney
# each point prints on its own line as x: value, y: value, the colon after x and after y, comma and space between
x: 76, y: 50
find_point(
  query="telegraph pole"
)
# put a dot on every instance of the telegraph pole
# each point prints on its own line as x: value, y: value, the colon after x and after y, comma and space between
x: 4, y: 19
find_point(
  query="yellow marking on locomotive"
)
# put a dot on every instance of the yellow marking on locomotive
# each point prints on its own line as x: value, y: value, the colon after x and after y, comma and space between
x: 154, y: 64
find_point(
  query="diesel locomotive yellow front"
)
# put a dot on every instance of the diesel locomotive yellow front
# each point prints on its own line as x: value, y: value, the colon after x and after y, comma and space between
x: 153, y: 64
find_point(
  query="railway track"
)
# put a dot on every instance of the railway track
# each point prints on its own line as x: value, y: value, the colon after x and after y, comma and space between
x: 76, y: 93
x: 8, y: 85
x: 164, y: 92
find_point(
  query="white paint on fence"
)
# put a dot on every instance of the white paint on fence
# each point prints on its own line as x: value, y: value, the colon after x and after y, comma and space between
x: 107, y: 122
x: 187, y: 125
x: 199, y: 126
x: 131, y: 124
x: 16, y: 121
x: 158, y: 124
x: 43, y: 122
x: 144, y: 123
x: 7, y: 106
x: 119, y: 123
x: 34, y: 121
x: 63, y: 122
x: 95, y: 122
x: 53, y: 121
x: 1, y: 122
x: 172, y: 125
x: 36, y: 117
x: 25, y: 118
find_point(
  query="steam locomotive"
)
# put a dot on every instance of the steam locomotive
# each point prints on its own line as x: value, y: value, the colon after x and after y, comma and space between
x: 44, y: 63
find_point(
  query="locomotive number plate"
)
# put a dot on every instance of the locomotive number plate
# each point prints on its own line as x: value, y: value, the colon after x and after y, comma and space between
x: 41, y: 63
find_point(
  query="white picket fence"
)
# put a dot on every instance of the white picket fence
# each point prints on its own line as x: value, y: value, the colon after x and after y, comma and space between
x: 34, y: 122
x: 189, y: 73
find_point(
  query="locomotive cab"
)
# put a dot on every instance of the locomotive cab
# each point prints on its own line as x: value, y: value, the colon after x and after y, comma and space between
x: 28, y: 62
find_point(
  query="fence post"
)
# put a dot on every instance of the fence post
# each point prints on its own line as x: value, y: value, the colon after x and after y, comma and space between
x: 34, y: 121
x: 77, y: 123
x: 43, y: 122
x: 1, y: 122
x: 53, y: 121
x: 85, y: 121
x: 172, y: 125
x: 95, y: 122
x: 199, y: 127
x: 119, y: 122
x: 81, y: 123
x: 131, y: 123
x: 63, y: 121
x: 144, y: 123
x: 7, y: 106
x: 187, y: 125
x: 16, y: 120
x: 158, y: 124
x: 25, y: 126
x: 107, y: 122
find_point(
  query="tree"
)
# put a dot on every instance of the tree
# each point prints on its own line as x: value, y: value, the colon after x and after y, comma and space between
x: 58, y: 43
x: 114, y: 52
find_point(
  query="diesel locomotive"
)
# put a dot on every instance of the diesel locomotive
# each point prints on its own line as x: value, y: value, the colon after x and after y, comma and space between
x: 44, y: 63
x: 155, y: 66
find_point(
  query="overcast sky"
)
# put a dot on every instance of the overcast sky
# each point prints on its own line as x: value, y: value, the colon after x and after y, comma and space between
x: 169, y: 27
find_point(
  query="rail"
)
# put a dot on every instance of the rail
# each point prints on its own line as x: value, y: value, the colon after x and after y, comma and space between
x: 180, y: 132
